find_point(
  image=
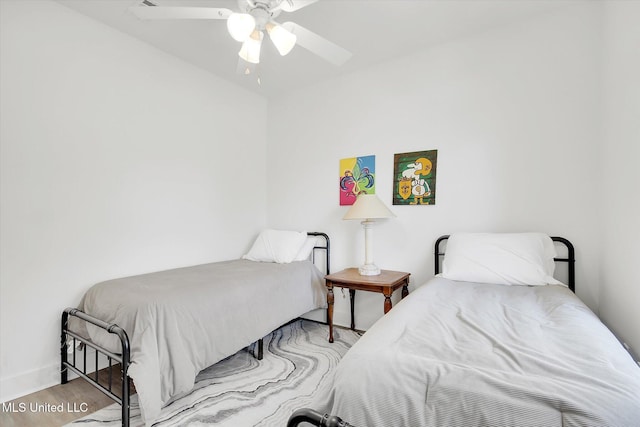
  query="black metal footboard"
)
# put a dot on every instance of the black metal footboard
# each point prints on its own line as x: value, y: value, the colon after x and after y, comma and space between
x: 123, y: 358
x: 315, y: 418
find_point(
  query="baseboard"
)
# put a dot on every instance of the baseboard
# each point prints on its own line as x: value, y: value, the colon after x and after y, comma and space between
x: 319, y: 315
x: 340, y: 319
x: 35, y: 380
x: 29, y: 382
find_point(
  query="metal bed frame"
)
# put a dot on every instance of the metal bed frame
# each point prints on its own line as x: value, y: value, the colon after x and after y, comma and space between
x: 124, y: 357
x: 569, y: 259
x: 316, y: 419
x: 325, y: 420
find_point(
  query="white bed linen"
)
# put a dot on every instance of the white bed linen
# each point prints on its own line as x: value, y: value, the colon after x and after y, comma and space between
x: 469, y: 354
x: 183, y: 320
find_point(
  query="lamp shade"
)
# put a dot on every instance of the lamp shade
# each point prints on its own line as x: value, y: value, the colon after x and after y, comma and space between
x: 368, y: 206
x: 240, y: 26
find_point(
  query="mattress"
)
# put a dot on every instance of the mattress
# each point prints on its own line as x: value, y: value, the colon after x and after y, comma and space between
x: 470, y: 354
x: 183, y: 320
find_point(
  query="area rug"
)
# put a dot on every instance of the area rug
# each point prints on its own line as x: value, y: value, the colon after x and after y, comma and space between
x: 243, y: 391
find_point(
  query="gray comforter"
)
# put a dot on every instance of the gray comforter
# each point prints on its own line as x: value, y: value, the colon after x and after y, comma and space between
x: 465, y: 354
x: 181, y: 321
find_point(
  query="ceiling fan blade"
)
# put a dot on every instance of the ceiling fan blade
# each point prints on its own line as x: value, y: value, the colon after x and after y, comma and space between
x: 322, y: 47
x: 168, y: 12
x: 293, y: 5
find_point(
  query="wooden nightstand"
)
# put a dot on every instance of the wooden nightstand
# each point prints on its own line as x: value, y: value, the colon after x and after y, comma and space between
x: 385, y: 283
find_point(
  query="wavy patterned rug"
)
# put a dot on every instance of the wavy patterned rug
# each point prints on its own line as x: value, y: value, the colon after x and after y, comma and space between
x: 243, y: 391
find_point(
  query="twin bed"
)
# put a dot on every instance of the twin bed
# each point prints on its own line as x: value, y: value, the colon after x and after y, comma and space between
x: 470, y: 349
x: 163, y: 328
x: 465, y: 349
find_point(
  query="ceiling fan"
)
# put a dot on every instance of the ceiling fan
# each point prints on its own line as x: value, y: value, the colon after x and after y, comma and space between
x: 248, y: 25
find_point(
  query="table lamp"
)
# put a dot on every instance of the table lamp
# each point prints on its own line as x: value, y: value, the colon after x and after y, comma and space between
x: 368, y: 207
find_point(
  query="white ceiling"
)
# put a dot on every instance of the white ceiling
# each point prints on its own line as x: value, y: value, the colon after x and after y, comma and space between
x: 373, y: 30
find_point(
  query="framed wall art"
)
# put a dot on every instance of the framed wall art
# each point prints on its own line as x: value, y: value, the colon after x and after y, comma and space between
x: 414, y: 177
x: 357, y: 176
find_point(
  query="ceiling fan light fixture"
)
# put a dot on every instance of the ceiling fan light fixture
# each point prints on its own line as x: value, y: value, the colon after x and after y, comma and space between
x: 283, y: 39
x: 240, y: 26
x: 250, y: 50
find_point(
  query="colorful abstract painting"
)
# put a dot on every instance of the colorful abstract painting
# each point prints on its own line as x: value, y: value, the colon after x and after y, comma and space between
x: 357, y: 176
x: 415, y: 178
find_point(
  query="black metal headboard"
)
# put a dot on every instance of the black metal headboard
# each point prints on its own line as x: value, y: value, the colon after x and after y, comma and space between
x: 326, y: 248
x: 570, y: 259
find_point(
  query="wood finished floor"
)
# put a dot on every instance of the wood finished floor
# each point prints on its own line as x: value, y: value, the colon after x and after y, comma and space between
x: 78, y: 398
x: 76, y: 391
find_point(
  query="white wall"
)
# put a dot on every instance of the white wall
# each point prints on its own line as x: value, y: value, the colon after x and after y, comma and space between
x: 117, y: 159
x: 515, y: 116
x: 620, y: 275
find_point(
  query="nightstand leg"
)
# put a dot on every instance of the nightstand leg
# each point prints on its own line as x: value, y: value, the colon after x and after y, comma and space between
x: 330, y: 311
x: 352, y: 294
x: 405, y: 290
x: 387, y: 303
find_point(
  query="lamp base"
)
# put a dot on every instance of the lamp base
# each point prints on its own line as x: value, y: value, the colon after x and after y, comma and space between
x: 369, y: 270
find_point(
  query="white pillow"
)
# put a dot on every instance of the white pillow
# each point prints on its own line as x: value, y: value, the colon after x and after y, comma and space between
x: 500, y: 258
x: 305, y: 250
x: 276, y: 246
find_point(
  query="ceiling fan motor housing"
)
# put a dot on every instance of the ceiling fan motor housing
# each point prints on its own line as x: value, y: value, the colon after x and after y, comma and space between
x: 263, y: 11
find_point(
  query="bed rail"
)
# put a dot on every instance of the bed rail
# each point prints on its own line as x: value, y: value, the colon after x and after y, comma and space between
x: 315, y: 418
x: 569, y: 259
x: 123, y: 358
x: 325, y: 247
